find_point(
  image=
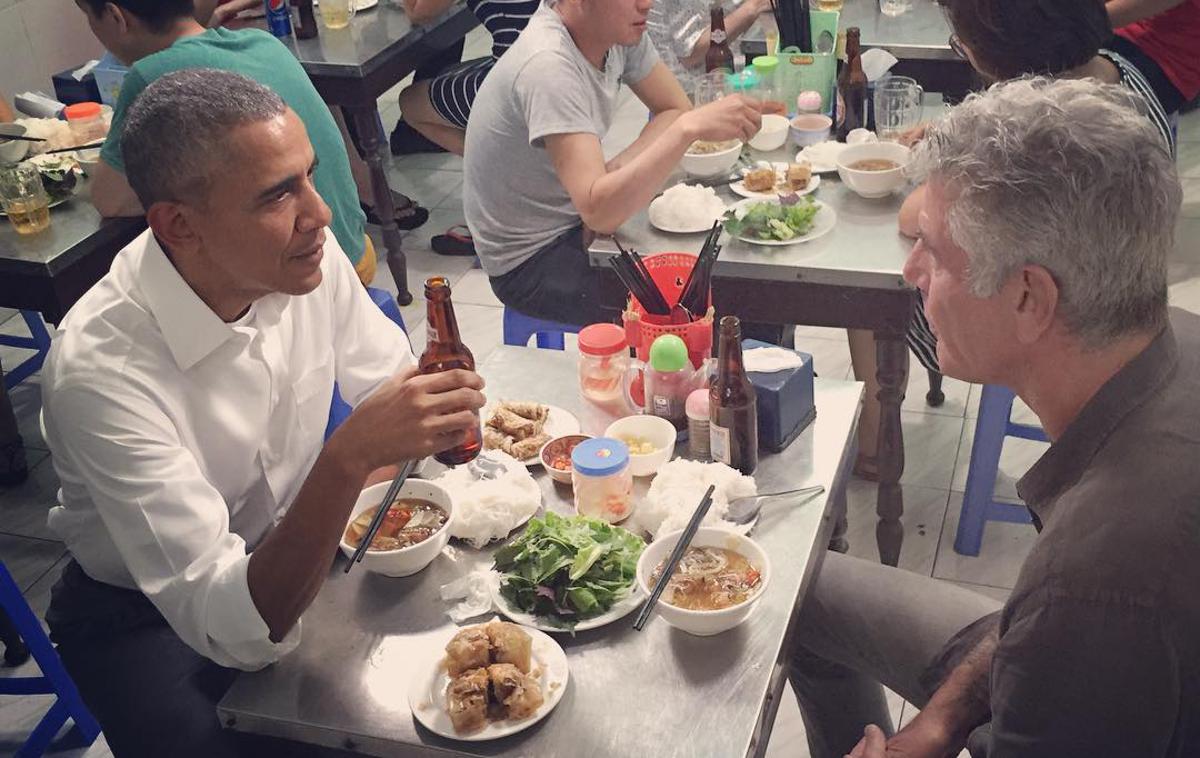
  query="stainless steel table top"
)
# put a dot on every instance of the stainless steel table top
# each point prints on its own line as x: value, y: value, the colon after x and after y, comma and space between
x: 659, y: 692
x: 71, y: 224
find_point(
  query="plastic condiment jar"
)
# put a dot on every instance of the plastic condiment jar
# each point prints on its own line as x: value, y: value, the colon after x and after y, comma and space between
x: 86, y: 122
x: 602, y: 479
x: 669, y: 379
x: 603, y: 362
x: 697, y: 420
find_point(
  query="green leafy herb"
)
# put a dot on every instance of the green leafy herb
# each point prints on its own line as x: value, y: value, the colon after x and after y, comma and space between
x: 568, y: 569
x: 773, y: 220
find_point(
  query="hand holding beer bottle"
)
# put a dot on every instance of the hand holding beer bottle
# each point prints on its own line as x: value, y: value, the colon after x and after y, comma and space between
x: 445, y: 351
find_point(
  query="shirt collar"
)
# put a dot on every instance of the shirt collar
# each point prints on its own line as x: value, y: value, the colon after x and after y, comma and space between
x: 1068, y: 457
x: 190, y: 328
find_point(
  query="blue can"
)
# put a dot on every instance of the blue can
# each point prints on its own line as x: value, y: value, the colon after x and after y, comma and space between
x: 279, y: 17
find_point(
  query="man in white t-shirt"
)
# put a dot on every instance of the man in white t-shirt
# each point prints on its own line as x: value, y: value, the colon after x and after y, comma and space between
x: 536, y: 183
x: 186, y: 399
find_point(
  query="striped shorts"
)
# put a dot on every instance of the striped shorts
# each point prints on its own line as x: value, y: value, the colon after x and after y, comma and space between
x: 920, y: 337
x: 453, y: 91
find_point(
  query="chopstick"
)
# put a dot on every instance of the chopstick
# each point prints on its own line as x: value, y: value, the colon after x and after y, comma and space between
x: 806, y: 45
x: 21, y: 138
x: 384, y: 506
x: 654, y: 302
x: 92, y: 146
x: 681, y: 547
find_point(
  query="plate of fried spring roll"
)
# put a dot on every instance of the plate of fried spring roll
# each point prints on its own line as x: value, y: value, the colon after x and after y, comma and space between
x: 521, y: 428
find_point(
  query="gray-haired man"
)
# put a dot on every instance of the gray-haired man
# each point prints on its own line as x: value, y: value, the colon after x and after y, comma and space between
x: 1042, y: 258
x: 186, y: 400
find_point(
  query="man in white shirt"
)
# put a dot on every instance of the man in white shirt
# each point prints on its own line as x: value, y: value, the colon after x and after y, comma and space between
x: 186, y: 399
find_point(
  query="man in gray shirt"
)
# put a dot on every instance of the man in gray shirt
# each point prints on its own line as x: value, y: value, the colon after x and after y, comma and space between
x: 1042, y: 258
x: 534, y: 172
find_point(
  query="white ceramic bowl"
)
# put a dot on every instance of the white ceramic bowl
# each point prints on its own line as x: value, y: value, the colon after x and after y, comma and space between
x: 553, y: 446
x: 407, y: 560
x: 711, y: 164
x: 704, y: 623
x: 810, y: 128
x: 13, y: 150
x: 874, y: 183
x: 658, y: 431
x: 772, y: 135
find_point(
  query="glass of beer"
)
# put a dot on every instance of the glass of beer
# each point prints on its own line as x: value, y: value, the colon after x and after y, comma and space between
x: 24, y: 198
x: 829, y: 5
x: 898, y: 101
x: 337, y: 13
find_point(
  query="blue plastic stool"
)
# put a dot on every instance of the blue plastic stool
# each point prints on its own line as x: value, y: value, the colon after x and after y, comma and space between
x: 518, y: 328
x: 54, y: 679
x: 39, y: 343
x: 339, y: 409
x: 979, y: 505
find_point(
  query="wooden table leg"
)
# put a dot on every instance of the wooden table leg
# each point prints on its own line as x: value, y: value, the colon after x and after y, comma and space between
x: 370, y: 137
x: 891, y: 355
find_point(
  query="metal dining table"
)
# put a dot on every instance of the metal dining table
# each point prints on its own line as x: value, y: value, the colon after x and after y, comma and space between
x: 850, y: 278
x: 658, y: 692
x: 353, y: 67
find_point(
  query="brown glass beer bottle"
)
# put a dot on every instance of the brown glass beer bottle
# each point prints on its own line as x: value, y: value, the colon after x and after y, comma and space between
x: 444, y: 351
x: 733, y: 406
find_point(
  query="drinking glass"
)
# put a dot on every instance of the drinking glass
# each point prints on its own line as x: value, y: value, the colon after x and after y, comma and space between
x: 337, y: 13
x: 710, y: 88
x: 897, y: 106
x: 894, y: 7
x: 829, y: 5
x: 24, y: 198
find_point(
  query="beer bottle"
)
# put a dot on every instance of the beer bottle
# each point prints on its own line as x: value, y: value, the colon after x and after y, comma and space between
x: 445, y: 351
x: 719, y: 57
x: 307, y: 29
x: 733, y: 406
x: 852, y: 88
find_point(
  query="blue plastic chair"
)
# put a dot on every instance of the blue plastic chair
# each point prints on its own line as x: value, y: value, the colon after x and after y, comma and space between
x: 39, y: 343
x: 979, y: 505
x: 54, y: 679
x: 339, y: 409
x: 519, y: 328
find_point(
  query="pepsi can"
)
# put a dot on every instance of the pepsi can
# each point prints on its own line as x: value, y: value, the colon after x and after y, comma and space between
x: 279, y: 17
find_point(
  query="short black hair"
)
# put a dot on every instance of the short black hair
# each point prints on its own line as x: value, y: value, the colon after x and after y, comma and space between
x: 156, y: 14
x: 1011, y: 38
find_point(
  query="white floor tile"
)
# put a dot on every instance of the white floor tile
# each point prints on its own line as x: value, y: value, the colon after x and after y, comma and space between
x: 1189, y: 126
x: 23, y: 509
x: 924, y: 512
x: 956, y: 392
x: 1187, y: 158
x: 479, y: 326
x: 1186, y: 294
x: 1191, y: 197
x: 831, y: 358
x: 474, y: 288
x: 1000, y: 558
x: 454, y: 199
x: 427, y: 186
x: 429, y: 161
x: 931, y: 446
x: 1017, y: 456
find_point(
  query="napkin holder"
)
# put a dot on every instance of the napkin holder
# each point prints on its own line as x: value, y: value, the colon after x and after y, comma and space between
x: 785, y: 400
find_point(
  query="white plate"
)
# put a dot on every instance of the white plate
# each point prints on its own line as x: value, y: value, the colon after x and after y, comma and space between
x: 824, y: 159
x: 560, y: 422
x: 823, y: 223
x: 653, y: 214
x: 739, y: 187
x: 427, y: 691
x: 620, y: 610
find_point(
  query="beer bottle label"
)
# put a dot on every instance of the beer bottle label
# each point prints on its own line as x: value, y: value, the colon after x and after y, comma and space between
x: 431, y: 334
x: 717, y: 36
x: 718, y: 440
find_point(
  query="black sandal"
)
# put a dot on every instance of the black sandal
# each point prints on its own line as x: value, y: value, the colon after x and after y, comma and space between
x: 454, y: 242
x: 409, y: 215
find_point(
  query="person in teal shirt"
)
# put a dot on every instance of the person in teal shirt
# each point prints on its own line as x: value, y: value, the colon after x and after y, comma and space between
x: 157, y: 37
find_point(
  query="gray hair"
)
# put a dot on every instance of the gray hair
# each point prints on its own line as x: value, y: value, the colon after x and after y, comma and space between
x: 176, y: 131
x: 1069, y: 175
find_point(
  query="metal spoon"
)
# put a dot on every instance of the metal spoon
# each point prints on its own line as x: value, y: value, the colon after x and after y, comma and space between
x: 825, y: 42
x: 743, y: 510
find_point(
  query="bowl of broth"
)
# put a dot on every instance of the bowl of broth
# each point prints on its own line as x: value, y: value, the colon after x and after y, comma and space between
x: 717, y: 585
x: 705, y: 158
x: 413, y: 533
x: 873, y: 169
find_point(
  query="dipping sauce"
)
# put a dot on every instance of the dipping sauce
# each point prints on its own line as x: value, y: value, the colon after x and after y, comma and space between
x: 709, y: 579
x: 558, y: 453
x: 409, y: 521
x: 873, y: 164
x: 705, y: 147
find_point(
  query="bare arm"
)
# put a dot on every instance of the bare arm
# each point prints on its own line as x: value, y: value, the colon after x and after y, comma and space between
x: 111, y: 193
x: 661, y: 93
x: 736, y: 24
x: 1124, y: 12
x: 421, y: 12
x: 222, y: 14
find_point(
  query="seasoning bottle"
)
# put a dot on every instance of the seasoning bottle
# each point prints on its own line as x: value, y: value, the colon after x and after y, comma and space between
x: 719, y: 56
x: 602, y: 479
x: 698, y: 428
x: 307, y: 28
x: 86, y: 123
x: 669, y: 379
x: 852, y: 88
x: 445, y: 351
x: 733, y: 406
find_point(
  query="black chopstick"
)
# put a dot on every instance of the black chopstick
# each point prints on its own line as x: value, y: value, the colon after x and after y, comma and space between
x: 92, y: 146
x: 681, y: 547
x: 21, y: 138
x: 652, y: 286
x: 653, y: 300
x: 806, y: 45
x: 693, y: 281
x: 384, y: 506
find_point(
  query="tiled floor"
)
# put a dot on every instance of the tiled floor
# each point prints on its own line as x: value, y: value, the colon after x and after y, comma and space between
x: 938, y: 441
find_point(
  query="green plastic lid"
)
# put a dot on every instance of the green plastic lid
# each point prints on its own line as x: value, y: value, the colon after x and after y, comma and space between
x: 765, y: 63
x: 668, y: 353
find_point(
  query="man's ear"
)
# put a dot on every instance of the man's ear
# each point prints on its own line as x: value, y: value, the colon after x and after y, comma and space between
x: 1037, y: 303
x: 172, y: 223
x: 117, y: 16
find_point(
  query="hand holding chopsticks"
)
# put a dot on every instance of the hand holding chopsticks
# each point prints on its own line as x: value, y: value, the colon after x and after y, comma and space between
x: 384, y: 506
x: 685, y: 540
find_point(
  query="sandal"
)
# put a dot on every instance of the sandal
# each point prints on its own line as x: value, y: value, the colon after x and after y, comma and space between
x: 454, y: 242
x: 408, y: 214
x: 405, y: 140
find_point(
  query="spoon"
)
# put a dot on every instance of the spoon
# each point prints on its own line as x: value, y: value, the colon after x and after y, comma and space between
x: 743, y: 510
x: 825, y: 42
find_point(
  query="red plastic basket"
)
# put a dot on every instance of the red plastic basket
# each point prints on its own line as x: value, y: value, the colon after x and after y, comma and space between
x: 670, y: 272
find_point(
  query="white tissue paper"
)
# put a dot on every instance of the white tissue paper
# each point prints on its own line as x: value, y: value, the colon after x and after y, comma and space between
x: 488, y: 509
x: 677, y: 489
x: 876, y: 62
x: 768, y: 360
x: 861, y: 137
x: 84, y: 70
x: 476, y: 591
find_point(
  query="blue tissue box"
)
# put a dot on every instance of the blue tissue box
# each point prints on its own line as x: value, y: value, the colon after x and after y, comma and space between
x: 785, y: 400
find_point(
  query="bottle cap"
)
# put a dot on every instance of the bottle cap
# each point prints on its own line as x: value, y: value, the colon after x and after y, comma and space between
x: 668, y: 353
x: 744, y: 81
x: 765, y: 63
x: 601, y: 456
x: 697, y: 405
x: 80, y: 111
x: 602, y: 339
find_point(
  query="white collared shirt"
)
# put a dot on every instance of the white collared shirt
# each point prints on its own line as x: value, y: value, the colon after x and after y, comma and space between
x: 180, y: 440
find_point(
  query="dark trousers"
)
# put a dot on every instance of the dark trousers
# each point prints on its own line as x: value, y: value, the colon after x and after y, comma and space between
x: 153, y: 695
x: 1170, y: 97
